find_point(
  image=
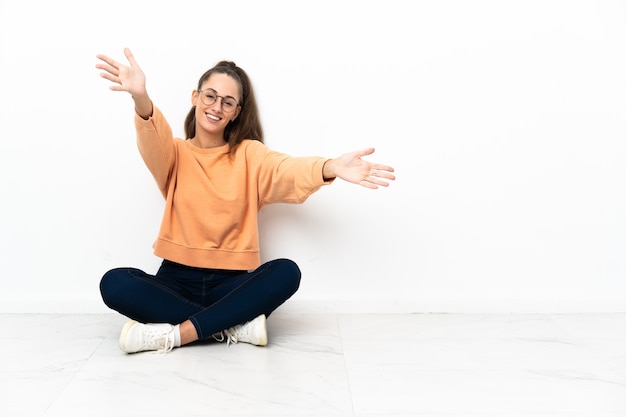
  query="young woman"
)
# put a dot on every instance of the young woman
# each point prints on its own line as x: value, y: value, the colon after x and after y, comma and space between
x: 211, y: 282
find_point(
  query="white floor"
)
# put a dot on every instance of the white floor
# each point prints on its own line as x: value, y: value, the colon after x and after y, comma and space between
x: 324, y: 365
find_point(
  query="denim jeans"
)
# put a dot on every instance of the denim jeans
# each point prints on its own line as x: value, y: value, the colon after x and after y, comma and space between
x: 213, y: 299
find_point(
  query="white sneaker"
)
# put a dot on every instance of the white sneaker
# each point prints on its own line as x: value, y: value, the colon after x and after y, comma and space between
x: 253, y: 332
x: 137, y: 337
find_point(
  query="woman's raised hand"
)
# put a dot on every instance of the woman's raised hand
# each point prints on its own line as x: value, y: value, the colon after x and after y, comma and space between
x: 129, y: 78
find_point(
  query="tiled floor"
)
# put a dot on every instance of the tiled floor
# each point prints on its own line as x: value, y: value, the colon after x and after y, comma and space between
x: 324, y: 365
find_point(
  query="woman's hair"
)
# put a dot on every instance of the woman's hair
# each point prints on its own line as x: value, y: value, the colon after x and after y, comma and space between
x: 248, y: 124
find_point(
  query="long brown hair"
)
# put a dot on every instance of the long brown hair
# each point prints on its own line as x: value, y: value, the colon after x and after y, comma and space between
x: 248, y: 124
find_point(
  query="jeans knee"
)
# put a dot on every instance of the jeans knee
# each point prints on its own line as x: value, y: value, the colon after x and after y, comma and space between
x: 290, y: 274
x: 112, y: 286
x: 107, y: 286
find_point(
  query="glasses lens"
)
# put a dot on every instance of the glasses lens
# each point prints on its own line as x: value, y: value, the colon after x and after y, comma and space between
x: 209, y: 97
x: 228, y: 104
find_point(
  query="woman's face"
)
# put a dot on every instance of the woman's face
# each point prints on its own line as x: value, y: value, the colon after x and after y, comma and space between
x: 217, y: 103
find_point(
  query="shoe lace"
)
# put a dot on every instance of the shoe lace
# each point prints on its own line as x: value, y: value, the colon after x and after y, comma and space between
x: 158, y: 337
x: 169, y: 344
x: 219, y: 336
x: 232, y: 335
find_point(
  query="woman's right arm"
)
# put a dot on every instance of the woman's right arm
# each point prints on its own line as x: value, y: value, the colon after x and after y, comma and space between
x: 129, y: 78
x: 154, y: 135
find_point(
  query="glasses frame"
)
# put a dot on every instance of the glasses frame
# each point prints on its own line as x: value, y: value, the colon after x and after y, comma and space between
x: 203, y: 97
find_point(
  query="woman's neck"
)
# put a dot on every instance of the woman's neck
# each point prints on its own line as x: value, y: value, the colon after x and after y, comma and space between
x: 208, y: 142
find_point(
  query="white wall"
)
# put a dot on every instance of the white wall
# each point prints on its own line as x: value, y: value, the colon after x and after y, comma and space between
x: 503, y: 119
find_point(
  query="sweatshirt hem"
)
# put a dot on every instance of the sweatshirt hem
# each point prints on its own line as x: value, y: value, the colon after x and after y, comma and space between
x: 207, y: 258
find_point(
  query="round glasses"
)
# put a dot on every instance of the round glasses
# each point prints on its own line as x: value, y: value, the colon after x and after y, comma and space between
x: 209, y: 96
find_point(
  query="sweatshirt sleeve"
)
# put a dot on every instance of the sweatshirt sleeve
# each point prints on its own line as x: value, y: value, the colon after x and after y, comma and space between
x: 156, y: 146
x: 286, y: 179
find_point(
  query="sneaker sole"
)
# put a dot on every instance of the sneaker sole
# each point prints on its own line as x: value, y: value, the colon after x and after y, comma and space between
x: 122, y: 340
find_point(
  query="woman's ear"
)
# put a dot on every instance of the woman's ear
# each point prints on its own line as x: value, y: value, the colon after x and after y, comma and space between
x: 194, y: 97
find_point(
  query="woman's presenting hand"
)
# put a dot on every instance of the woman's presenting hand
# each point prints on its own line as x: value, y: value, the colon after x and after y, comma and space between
x: 352, y: 168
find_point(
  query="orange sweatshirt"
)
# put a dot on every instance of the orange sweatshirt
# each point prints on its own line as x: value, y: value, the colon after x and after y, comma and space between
x: 212, y: 198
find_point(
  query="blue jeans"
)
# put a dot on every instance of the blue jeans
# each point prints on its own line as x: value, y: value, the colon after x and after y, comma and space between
x: 213, y: 299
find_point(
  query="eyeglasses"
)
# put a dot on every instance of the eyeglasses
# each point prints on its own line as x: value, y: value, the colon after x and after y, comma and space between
x: 209, y: 96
